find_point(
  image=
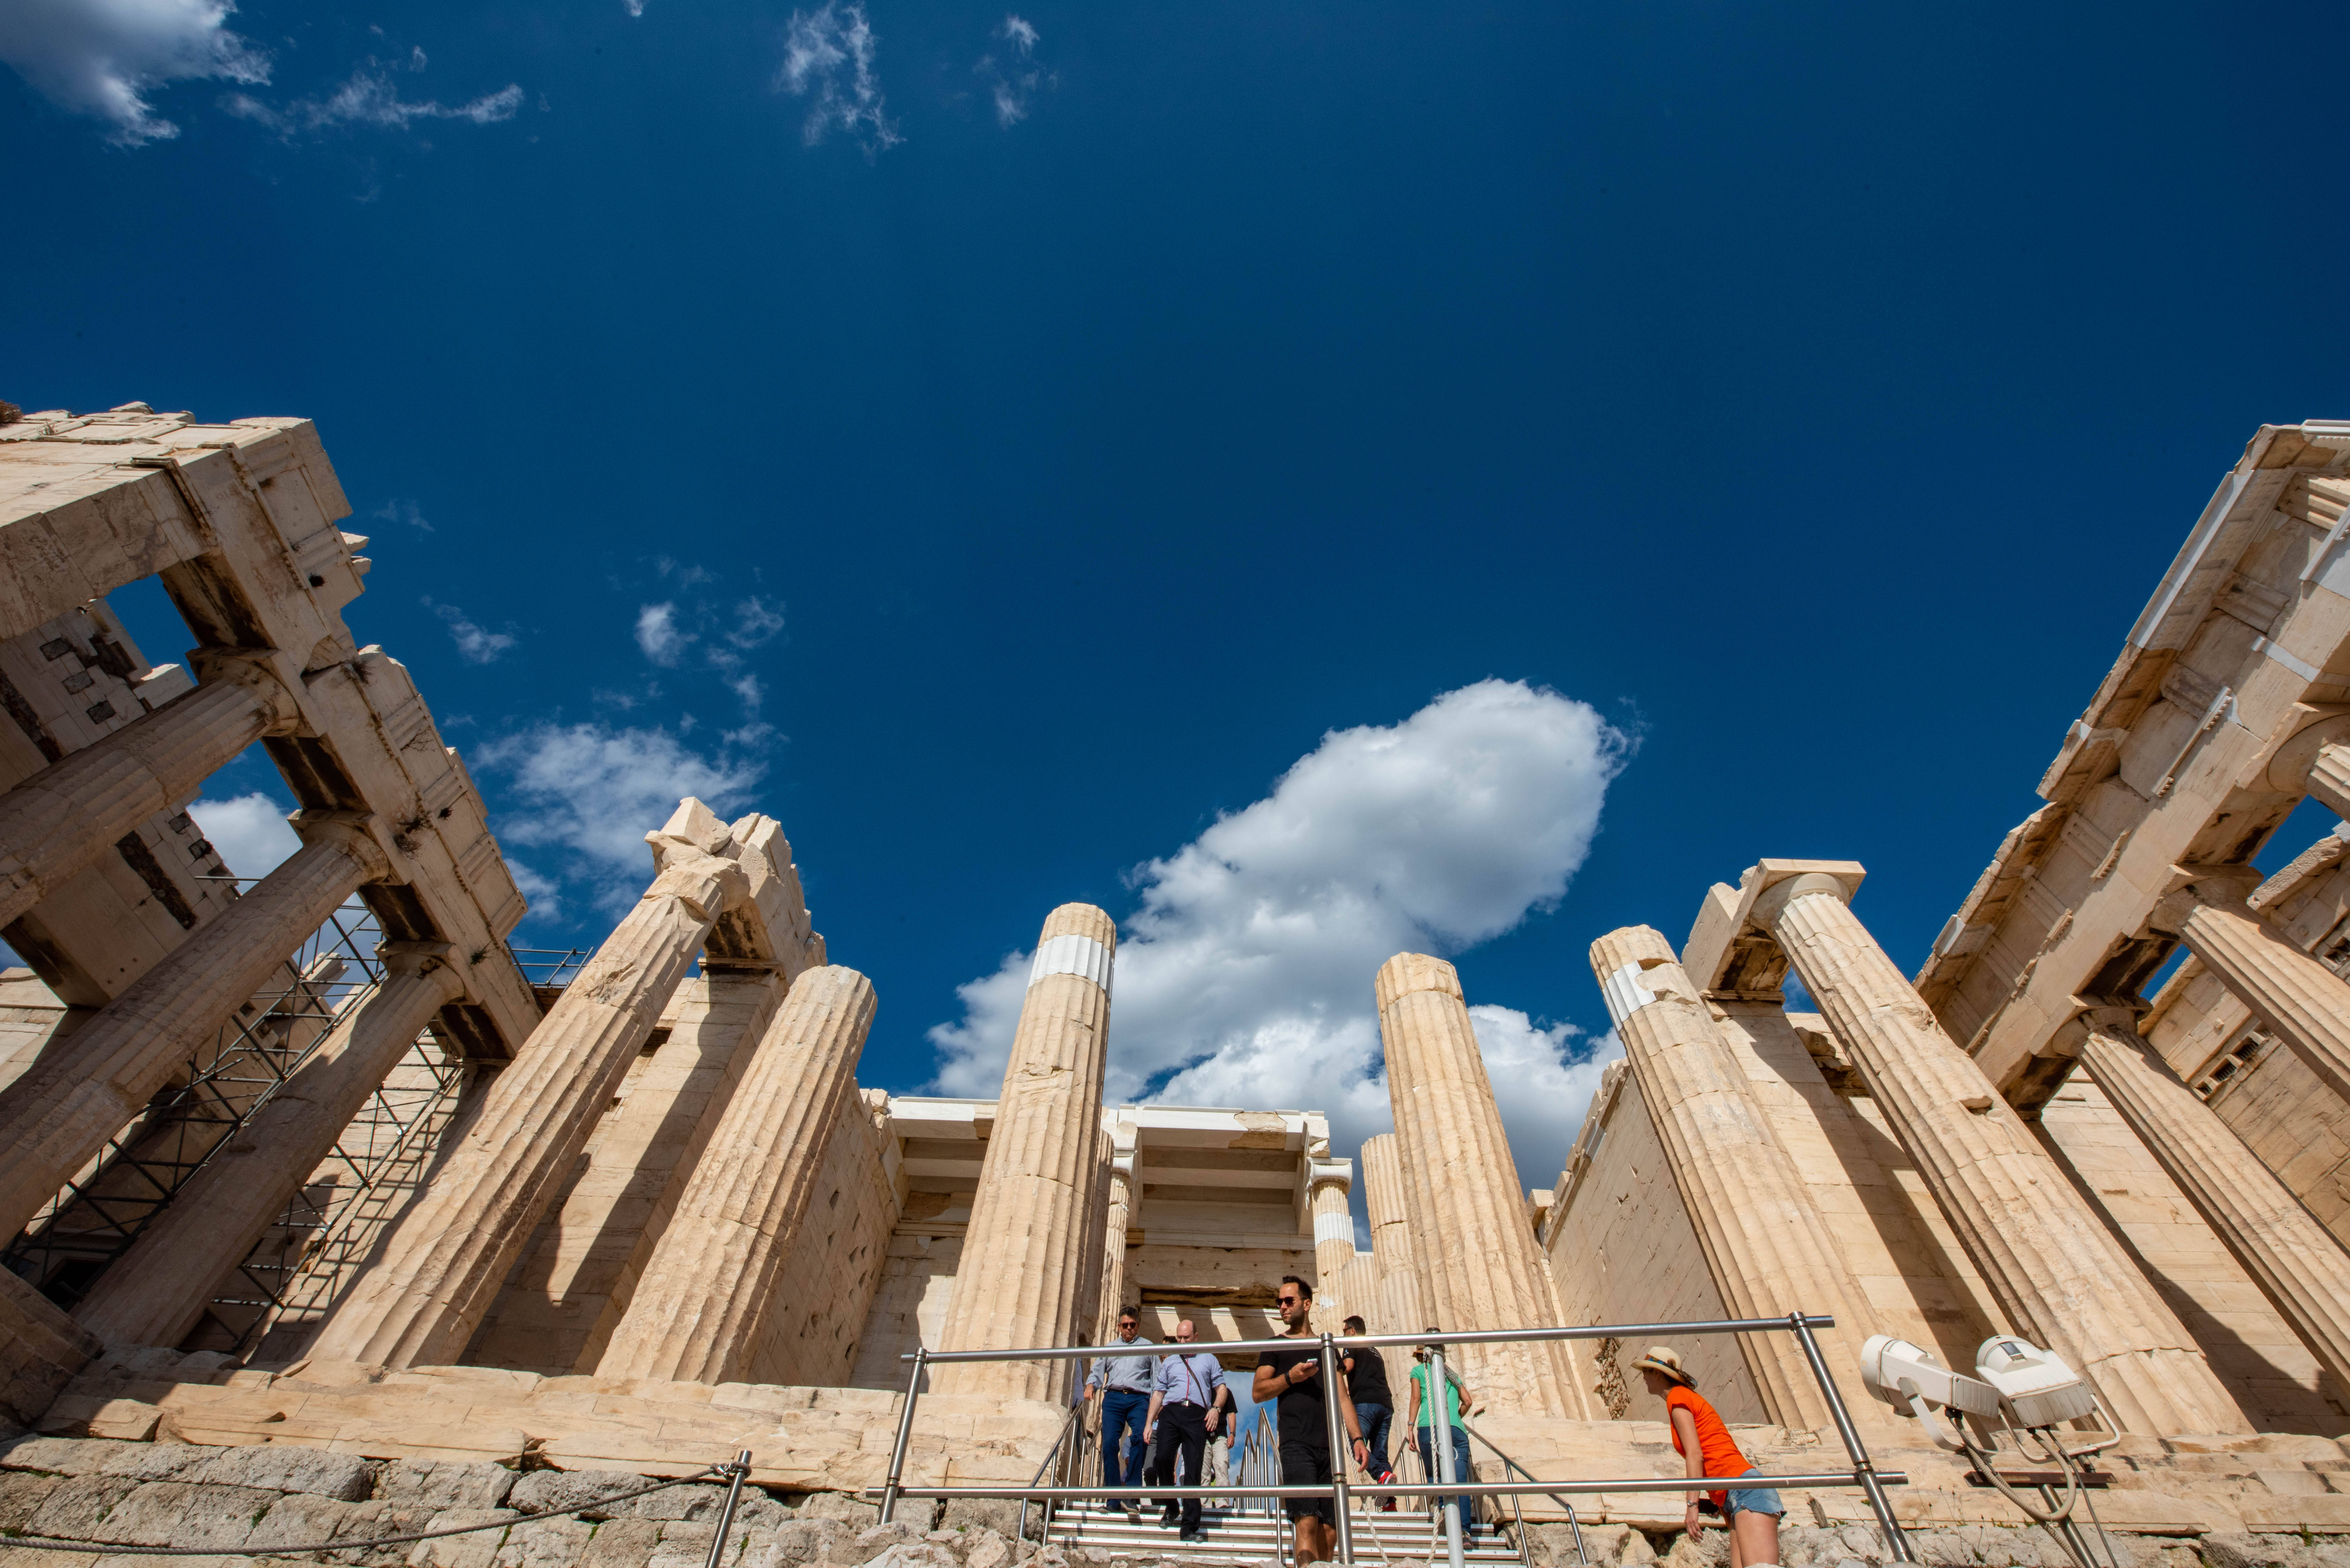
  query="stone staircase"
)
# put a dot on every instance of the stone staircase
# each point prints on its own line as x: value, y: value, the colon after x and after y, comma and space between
x: 1236, y: 1537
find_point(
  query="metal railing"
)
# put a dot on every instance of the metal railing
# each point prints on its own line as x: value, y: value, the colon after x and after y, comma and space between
x: 1862, y: 1475
x: 1517, y: 1509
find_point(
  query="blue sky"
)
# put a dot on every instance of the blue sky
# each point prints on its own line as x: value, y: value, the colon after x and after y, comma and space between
x: 1043, y: 427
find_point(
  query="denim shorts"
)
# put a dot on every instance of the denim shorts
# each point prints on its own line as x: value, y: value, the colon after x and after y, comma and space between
x: 1752, y: 1499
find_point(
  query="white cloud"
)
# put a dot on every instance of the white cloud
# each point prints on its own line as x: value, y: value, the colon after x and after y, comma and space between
x: 249, y: 830
x: 657, y: 633
x: 756, y: 623
x: 1012, y: 87
x: 402, y: 512
x: 829, y: 57
x: 106, y: 57
x: 593, y: 791
x: 371, y: 98
x: 752, y: 692
x: 1244, y: 979
x: 475, y: 644
x: 544, y: 894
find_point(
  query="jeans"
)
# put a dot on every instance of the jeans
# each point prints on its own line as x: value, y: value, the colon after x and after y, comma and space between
x: 1122, y: 1409
x: 1459, y: 1470
x: 1374, y: 1420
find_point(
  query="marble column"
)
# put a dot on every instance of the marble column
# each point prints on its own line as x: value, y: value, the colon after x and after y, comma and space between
x: 441, y: 1266
x: 1023, y: 1261
x: 2329, y: 779
x: 57, y: 1116
x: 1096, y: 1213
x: 2306, y: 1004
x: 1118, y: 1218
x: 1397, y: 1304
x: 2058, y: 1272
x: 1769, y: 1246
x: 2296, y: 1261
x: 696, y: 1313
x: 70, y: 812
x: 154, y: 1294
x: 1327, y: 1184
x: 1480, y: 1261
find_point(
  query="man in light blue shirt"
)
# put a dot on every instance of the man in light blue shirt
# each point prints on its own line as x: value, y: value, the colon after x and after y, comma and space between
x: 1187, y: 1401
x: 1123, y: 1383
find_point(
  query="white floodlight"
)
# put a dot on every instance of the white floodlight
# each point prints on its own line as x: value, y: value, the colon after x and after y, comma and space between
x: 1909, y: 1377
x: 2036, y: 1386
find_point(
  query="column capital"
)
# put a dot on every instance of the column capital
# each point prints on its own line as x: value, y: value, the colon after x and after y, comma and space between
x: 254, y: 668
x: 2193, y: 886
x: 1322, y: 1173
x: 435, y: 962
x: 1722, y: 952
x: 1406, y: 972
x: 351, y: 830
x: 2289, y: 767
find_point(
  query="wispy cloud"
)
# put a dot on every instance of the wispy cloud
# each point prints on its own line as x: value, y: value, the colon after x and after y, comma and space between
x: 659, y: 635
x: 588, y: 793
x: 371, y: 98
x: 475, y: 644
x: 828, y: 58
x: 1012, y: 81
x: 756, y: 623
x: 108, y: 58
x: 402, y: 512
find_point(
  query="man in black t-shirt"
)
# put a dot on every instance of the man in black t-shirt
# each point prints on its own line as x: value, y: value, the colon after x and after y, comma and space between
x: 1367, y: 1386
x: 1295, y: 1377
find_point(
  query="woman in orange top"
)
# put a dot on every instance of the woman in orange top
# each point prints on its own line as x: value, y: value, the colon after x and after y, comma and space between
x: 1752, y: 1513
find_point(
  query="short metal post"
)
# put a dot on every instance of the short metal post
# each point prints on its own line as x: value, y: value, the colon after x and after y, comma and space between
x: 1863, y: 1471
x: 905, y: 1435
x: 1339, y: 1452
x: 742, y: 1467
x: 1439, y: 1451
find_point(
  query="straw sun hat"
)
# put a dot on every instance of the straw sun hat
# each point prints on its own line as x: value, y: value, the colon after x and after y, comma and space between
x: 1661, y: 1360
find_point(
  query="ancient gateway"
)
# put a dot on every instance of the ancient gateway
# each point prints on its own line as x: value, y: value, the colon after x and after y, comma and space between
x: 332, y: 1215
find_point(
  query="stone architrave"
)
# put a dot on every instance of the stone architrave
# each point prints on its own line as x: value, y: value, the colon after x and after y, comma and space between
x: 1024, y: 1259
x: 695, y: 1313
x: 442, y: 1267
x: 1769, y: 1246
x: 2306, y: 1004
x: 1480, y: 1261
x: 56, y: 1117
x: 154, y: 1294
x: 64, y: 817
x: 2055, y: 1269
x: 1118, y: 1218
x: 2296, y: 1261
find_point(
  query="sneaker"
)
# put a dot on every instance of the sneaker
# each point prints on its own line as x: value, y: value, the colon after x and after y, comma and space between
x: 1169, y: 1519
x: 1196, y: 1533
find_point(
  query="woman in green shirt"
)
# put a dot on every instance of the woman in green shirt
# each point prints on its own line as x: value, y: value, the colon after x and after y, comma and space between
x: 1423, y: 1409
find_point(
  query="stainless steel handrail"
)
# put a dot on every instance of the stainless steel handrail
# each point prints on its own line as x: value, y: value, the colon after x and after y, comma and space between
x: 1054, y: 1453
x: 1862, y: 1473
x: 1572, y: 1523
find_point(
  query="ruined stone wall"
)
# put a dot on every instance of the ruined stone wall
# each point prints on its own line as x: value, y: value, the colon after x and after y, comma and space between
x: 1623, y: 1251
x: 810, y: 1334
x: 910, y: 1303
x: 2265, y: 1365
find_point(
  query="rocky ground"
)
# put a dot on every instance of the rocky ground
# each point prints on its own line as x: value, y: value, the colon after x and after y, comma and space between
x: 262, y: 1505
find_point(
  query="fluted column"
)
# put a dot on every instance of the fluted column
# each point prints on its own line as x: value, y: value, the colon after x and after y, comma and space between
x: 2306, y: 1004
x: 2329, y: 779
x: 442, y: 1264
x: 67, y: 815
x: 154, y: 1294
x: 2295, y: 1261
x: 1397, y: 1304
x: 1118, y: 1218
x: 1483, y: 1267
x: 1023, y: 1260
x: 1328, y: 1183
x: 2059, y: 1274
x: 1401, y: 1295
x: 54, y: 1117
x: 1769, y: 1246
x: 710, y: 1278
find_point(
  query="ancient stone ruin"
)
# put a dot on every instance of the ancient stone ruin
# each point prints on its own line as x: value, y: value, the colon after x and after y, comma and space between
x: 335, y: 1218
